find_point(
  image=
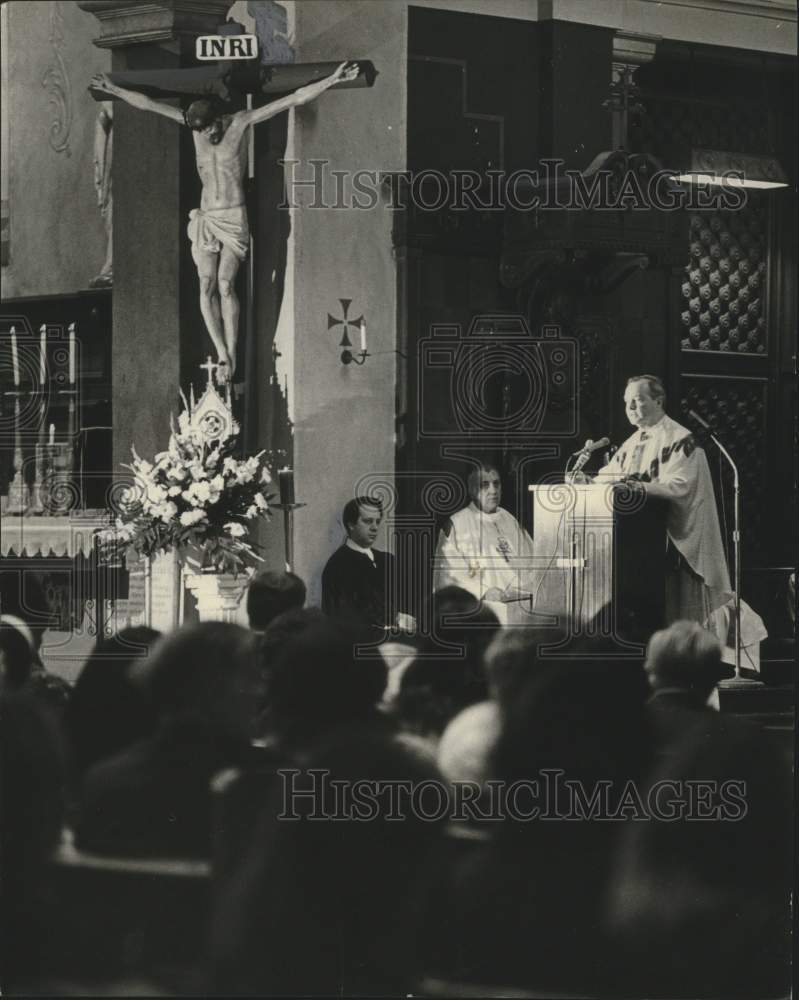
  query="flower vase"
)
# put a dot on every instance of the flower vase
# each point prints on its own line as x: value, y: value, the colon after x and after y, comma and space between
x: 218, y: 595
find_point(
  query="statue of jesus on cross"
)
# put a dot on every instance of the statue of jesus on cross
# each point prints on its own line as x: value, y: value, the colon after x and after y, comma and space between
x: 218, y: 229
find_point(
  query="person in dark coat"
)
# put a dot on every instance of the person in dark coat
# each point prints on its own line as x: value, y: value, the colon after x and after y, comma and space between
x: 154, y: 797
x: 107, y: 711
x: 359, y: 582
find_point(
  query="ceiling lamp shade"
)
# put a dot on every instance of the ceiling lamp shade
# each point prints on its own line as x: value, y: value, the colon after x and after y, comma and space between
x: 744, y: 170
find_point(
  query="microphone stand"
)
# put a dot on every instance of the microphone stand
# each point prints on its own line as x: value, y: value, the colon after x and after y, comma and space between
x: 736, y: 545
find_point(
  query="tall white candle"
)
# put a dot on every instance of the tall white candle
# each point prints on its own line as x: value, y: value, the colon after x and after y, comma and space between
x: 71, y: 353
x: 363, y: 337
x: 51, y: 439
x: 14, y: 355
x: 42, y: 354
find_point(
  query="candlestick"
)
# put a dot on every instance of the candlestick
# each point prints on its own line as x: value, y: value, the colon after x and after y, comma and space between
x: 286, y: 481
x: 42, y: 355
x: 71, y: 353
x: 363, y: 337
x: 14, y: 355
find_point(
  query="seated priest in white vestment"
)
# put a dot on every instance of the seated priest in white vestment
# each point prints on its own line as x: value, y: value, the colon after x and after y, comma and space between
x: 663, y: 457
x: 483, y: 548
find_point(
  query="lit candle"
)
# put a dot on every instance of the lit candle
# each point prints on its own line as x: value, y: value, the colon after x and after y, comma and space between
x: 14, y: 355
x: 42, y: 354
x: 51, y: 439
x: 286, y: 480
x: 363, y: 337
x: 71, y: 353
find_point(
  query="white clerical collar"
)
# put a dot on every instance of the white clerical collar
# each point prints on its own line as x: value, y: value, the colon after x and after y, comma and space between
x: 360, y: 548
x: 652, y: 429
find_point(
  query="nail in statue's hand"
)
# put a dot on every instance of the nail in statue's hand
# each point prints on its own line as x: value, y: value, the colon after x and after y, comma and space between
x: 101, y: 82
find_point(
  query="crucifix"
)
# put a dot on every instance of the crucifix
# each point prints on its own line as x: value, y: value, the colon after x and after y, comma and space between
x: 219, y: 228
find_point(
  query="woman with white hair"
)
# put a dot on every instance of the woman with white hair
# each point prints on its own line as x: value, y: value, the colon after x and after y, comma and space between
x: 684, y: 665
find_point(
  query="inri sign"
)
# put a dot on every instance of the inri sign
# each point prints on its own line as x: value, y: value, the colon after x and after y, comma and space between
x: 227, y: 47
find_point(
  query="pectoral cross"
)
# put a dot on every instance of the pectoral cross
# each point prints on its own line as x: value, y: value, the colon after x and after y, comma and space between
x: 503, y: 546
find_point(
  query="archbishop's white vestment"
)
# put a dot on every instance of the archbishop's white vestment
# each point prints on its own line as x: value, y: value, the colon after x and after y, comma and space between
x: 667, y: 455
x: 479, y: 551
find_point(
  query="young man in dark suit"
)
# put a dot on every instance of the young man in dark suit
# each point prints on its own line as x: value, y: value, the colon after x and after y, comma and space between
x: 359, y: 582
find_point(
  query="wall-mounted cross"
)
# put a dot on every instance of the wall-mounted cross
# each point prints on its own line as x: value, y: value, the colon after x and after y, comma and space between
x: 346, y: 322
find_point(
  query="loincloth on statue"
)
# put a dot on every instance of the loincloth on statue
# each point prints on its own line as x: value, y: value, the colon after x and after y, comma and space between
x: 217, y: 227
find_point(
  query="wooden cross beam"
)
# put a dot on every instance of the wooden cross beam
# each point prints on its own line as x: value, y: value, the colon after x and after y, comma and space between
x: 229, y: 80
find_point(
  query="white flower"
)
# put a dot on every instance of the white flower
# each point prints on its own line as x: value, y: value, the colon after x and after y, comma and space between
x: 190, y: 517
x: 217, y: 483
x: 165, y: 511
x: 176, y: 472
x: 251, y: 512
x: 235, y: 530
x: 260, y: 502
x: 265, y: 477
x: 155, y: 494
x: 174, y: 491
x: 244, y: 474
x: 197, y: 493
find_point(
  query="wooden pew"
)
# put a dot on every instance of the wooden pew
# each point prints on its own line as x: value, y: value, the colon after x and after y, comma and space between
x: 128, y: 917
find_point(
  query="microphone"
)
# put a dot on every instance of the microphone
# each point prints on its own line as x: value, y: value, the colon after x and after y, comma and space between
x: 700, y: 421
x: 590, y: 446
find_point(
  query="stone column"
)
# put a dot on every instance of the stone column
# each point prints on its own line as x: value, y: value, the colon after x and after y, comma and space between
x: 158, y: 334
x: 344, y: 414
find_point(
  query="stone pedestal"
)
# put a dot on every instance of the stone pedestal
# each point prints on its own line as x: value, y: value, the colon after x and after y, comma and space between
x: 162, y: 592
x: 218, y: 595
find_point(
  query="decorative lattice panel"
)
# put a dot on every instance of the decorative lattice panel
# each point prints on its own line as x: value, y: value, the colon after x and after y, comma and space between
x: 667, y: 124
x: 724, y: 288
x: 736, y: 410
x: 723, y: 294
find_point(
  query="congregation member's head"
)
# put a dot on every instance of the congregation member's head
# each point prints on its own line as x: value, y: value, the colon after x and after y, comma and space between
x: 318, y: 678
x: 107, y: 711
x: 687, y: 658
x: 485, y: 487
x: 512, y: 658
x: 16, y: 653
x: 335, y: 907
x: 644, y: 400
x: 277, y: 634
x: 203, y: 675
x: 271, y: 593
x: 362, y: 517
x: 447, y: 673
x: 567, y: 706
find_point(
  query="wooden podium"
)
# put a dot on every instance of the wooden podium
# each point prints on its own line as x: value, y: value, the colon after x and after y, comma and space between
x: 597, y: 545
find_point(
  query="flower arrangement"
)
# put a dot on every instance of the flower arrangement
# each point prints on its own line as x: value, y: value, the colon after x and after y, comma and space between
x: 194, y: 494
